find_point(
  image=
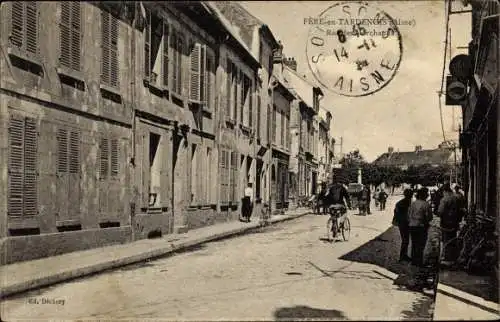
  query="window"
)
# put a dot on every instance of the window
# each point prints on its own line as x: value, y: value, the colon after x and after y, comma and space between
x: 108, y: 158
x: 208, y: 176
x: 234, y: 176
x: 246, y: 98
x: 109, y: 49
x: 234, y: 84
x: 201, y: 76
x: 282, y: 128
x: 68, y: 151
x: 273, y: 133
x: 70, y: 35
x: 194, y: 175
x: 177, y: 48
x: 22, y: 167
x: 224, y: 167
x: 229, y: 75
x: 258, y: 114
x: 156, y: 47
x: 24, y: 24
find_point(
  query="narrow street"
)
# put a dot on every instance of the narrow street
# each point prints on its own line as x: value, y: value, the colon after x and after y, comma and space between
x: 282, y: 272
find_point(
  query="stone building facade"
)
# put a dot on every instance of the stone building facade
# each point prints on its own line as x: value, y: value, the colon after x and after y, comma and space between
x: 121, y: 121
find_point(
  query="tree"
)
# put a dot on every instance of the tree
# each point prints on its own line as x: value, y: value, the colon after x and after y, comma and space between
x: 353, y: 159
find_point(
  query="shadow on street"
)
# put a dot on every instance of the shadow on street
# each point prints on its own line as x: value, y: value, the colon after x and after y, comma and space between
x: 383, y: 251
x: 302, y: 312
x: 481, y: 286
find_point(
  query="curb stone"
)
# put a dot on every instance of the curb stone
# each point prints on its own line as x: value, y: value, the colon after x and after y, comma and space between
x: 109, y: 264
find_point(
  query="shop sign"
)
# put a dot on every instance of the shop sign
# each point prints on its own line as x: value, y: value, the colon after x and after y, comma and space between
x: 456, y: 91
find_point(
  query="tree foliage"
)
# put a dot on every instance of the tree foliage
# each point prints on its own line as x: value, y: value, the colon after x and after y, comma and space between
x: 426, y: 175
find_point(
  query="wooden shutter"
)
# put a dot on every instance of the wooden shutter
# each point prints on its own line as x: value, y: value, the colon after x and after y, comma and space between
x: 105, y: 50
x: 104, y: 158
x: 114, y: 157
x: 75, y: 35
x: 165, y: 60
x: 195, y: 69
x: 24, y: 23
x: 17, y: 23
x: 235, y: 92
x: 243, y: 85
x: 250, y: 103
x: 30, y: 167
x: 65, y: 34
x: 74, y: 152
x: 62, y: 151
x: 229, y: 75
x: 32, y: 27
x: 147, y: 45
x: 210, y: 74
x: 258, y: 113
x: 16, y: 173
x: 114, y: 69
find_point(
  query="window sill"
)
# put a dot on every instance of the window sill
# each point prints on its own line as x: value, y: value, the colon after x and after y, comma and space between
x: 177, y: 99
x: 22, y: 222
x: 201, y: 207
x: 230, y: 122
x: 245, y: 129
x: 71, y: 77
x: 20, y: 57
x: 158, y: 90
x: 110, y: 93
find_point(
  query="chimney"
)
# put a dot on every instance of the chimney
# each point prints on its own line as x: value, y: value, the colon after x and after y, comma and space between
x: 278, y: 54
x: 418, y: 148
x: 291, y: 63
x: 390, y: 150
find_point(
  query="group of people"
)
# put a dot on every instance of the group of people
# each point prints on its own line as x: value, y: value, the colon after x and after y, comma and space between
x: 413, y: 217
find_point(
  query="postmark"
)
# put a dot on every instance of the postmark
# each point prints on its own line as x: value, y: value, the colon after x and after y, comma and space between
x: 357, y: 51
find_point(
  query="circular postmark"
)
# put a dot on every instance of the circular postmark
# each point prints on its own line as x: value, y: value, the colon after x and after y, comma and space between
x: 356, y: 50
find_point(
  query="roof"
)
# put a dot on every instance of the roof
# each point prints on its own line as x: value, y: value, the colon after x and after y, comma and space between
x: 436, y: 156
x: 302, y: 88
x: 212, y: 8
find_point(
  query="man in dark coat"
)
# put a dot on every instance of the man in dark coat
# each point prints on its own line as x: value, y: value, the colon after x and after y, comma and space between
x: 400, y: 219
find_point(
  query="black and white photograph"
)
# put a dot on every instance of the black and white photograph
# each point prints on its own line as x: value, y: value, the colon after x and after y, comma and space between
x: 249, y: 160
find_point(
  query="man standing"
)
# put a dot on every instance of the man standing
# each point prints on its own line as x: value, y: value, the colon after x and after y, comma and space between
x: 401, y: 220
x: 365, y: 198
x: 419, y: 218
x: 449, y: 212
x: 382, y: 198
x: 247, y: 204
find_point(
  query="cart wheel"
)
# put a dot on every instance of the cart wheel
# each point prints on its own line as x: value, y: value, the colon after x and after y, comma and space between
x: 346, y: 229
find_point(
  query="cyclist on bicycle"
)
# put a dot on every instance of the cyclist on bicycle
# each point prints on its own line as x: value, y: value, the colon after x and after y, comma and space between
x: 337, y: 198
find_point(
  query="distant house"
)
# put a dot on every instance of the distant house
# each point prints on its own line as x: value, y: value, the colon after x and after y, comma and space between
x: 403, y: 160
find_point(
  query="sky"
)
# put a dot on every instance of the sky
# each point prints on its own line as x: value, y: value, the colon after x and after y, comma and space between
x: 403, y: 114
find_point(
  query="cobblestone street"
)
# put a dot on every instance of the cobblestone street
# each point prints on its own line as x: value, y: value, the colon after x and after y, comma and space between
x: 285, y: 271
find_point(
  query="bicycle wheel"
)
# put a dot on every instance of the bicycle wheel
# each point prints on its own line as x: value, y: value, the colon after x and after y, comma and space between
x: 346, y: 229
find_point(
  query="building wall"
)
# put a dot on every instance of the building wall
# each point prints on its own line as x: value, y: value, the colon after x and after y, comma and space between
x: 75, y: 176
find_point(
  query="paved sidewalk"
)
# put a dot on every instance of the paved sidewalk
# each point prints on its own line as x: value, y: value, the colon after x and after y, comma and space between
x: 23, y: 276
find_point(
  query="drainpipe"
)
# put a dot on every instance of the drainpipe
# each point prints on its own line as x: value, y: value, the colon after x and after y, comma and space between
x: 132, y: 159
x: 273, y: 83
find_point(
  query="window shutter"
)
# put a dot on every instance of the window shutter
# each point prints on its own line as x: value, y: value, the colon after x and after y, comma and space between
x: 165, y: 60
x: 209, y: 80
x: 65, y: 37
x: 30, y: 167
x: 62, y: 151
x: 258, y: 114
x: 16, y: 140
x: 114, y: 157
x: 74, y: 152
x: 147, y: 46
x: 32, y: 26
x: 114, y: 71
x: 104, y: 158
x: 243, y: 84
x: 250, y: 103
x: 195, y: 93
x: 235, y: 92
x: 75, y: 35
x: 105, y: 51
x: 17, y: 23
x: 229, y: 73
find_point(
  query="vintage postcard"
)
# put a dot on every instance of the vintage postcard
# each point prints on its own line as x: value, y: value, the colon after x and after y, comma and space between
x: 249, y: 160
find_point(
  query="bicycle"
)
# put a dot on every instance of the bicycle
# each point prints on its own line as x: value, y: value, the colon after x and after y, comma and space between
x: 333, y: 227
